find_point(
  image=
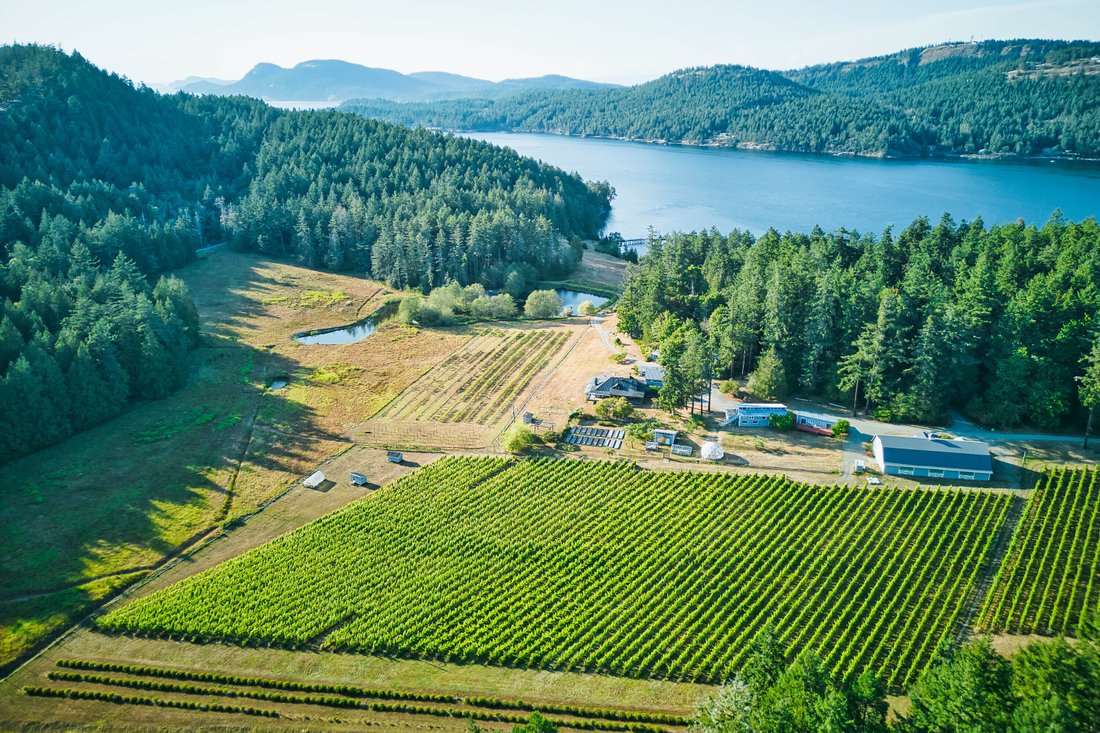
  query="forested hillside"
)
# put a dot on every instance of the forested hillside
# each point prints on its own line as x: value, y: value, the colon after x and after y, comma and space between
x: 993, y: 321
x: 1009, y: 98
x: 104, y: 187
x: 412, y: 207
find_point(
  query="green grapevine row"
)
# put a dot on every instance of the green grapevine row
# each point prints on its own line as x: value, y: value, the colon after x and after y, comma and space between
x: 598, y: 566
x: 1051, y: 572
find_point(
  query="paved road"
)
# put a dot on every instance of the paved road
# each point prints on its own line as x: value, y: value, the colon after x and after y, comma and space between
x: 864, y: 428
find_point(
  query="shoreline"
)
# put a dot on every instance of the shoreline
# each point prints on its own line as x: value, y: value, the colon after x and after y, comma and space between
x: 768, y: 148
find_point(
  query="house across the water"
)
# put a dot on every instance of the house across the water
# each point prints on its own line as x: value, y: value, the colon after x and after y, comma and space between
x: 933, y: 457
x: 602, y: 386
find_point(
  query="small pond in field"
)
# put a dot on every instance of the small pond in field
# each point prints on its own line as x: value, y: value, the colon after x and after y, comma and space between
x: 343, y: 335
x: 574, y: 298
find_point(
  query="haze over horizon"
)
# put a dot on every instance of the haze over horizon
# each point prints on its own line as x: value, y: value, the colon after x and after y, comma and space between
x: 620, y: 42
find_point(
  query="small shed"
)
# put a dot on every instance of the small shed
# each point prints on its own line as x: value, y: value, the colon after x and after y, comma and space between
x: 664, y: 437
x: 315, y: 479
x: 359, y: 479
x: 394, y: 456
x: 682, y: 450
x: 712, y: 451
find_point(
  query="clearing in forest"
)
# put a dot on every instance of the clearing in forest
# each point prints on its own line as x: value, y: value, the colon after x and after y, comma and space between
x: 599, y: 566
x: 1051, y: 573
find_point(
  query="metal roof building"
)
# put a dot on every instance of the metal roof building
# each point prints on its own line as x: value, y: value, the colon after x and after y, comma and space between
x: 753, y: 414
x: 602, y: 386
x: 933, y: 457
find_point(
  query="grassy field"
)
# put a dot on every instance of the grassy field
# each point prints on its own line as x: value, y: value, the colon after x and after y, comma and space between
x: 93, y: 513
x: 598, y: 567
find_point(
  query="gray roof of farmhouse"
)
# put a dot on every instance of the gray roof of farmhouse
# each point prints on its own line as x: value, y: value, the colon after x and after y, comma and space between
x: 958, y: 455
x: 604, y: 386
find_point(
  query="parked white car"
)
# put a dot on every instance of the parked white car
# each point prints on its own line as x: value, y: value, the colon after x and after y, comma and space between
x: 874, y: 481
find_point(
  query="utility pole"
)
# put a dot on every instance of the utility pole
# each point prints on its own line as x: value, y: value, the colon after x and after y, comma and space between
x: 1091, y: 402
x: 1088, y: 426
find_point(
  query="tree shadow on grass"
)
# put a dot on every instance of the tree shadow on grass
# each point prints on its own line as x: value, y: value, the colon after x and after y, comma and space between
x: 129, y: 493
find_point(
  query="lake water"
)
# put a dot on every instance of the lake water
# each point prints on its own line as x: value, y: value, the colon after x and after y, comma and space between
x: 574, y: 298
x: 346, y: 335
x: 675, y: 187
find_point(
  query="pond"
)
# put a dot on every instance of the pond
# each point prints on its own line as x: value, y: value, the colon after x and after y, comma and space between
x: 342, y: 335
x: 574, y: 298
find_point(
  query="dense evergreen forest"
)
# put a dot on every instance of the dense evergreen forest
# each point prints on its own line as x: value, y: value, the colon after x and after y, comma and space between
x: 412, y: 207
x: 105, y: 187
x: 1009, y: 98
x: 992, y: 321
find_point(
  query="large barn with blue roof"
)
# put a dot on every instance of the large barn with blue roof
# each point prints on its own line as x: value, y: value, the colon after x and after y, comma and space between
x: 933, y: 457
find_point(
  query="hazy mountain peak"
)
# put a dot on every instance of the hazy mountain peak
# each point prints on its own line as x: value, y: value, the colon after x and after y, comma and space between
x: 335, y: 79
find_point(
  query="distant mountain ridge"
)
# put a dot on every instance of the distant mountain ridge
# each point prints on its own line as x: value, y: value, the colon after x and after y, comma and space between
x: 323, y: 80
x: 1018, y: 98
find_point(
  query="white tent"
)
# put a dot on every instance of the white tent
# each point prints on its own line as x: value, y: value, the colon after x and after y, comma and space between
x: 711, y: 451
x: 314, y: 480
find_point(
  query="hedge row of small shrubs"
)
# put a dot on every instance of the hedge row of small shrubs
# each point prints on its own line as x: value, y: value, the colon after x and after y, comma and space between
x: 224, y: 679
x: 185, y: 688
x: 152, y: 701
x: 606, y: 714
x: 382, y: 707
x: 629, y: 721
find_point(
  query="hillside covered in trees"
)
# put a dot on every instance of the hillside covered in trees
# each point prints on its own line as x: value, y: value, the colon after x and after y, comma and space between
x: 104, y: 187
x: 996, y: 322
x: 1005, y: 98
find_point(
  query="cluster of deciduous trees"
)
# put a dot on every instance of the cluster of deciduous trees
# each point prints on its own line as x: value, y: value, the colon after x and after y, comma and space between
x: 1001, y: 97
x: 994, y: 321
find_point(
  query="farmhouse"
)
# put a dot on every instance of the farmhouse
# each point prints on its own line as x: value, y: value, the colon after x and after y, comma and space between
x: 653, y: 374
x: 754, y: 414
x: 933, y: 457
x: 602, y: 386
x: 811, y: 422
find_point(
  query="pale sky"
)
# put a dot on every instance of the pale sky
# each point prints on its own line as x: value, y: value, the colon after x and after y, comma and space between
x: 157, y: 41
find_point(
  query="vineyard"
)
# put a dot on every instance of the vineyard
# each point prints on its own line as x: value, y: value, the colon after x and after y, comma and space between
x: 1052, y: 570
x: 600, y: 566
x: 481, y: 381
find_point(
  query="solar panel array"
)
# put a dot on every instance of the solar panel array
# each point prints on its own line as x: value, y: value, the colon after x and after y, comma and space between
x: 596, y: 437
